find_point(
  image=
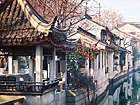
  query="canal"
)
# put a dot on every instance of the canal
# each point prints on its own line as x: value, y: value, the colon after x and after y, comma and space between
x: 126, y: 93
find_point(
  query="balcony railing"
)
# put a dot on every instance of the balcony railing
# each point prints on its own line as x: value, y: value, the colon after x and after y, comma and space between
x: 26, y: 87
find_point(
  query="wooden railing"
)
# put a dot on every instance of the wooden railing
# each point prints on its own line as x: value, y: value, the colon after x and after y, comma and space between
x: 11, y: 102
x: 27, y: 87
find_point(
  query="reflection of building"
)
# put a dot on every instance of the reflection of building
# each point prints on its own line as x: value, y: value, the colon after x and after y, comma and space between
x: 127, y: 93
x: 25, y: 34
x: 119, y: 95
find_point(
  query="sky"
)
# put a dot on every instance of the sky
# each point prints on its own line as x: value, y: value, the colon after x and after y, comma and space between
x: 129, y: 8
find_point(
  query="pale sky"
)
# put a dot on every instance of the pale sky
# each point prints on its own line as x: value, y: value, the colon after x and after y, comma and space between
x: 129, y: 8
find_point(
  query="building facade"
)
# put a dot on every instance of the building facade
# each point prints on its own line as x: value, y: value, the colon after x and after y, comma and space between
x: 112, y: 60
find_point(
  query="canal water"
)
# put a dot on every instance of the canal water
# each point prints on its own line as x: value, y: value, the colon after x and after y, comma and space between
x: 127, y: 93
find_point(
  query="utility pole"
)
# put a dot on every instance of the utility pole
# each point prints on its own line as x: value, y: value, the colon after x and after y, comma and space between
x: 86, y: 8
x: 99, y: 10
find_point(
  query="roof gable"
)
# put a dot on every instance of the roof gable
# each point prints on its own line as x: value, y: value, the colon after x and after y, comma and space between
x: 136, y: 24
x: 130, y: 27
x: 90, y: 26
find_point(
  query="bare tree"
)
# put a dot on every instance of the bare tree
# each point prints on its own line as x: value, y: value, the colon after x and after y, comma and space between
x: 109, y: 18
x: 67, y: 11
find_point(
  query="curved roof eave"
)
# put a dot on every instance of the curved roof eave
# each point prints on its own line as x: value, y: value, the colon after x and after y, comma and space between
x: 35, y: 19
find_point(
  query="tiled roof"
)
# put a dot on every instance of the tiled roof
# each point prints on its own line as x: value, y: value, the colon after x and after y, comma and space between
x: 135, y: 24
x: 21, y: 24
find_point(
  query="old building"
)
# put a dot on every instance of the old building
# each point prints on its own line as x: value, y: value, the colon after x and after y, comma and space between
x: 112, y: 59
x: 24, y: 33
x: 130, y: 32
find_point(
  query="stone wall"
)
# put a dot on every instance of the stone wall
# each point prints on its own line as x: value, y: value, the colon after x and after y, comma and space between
x: 69, y: 97
x: 46, y: 99
x: 60, y: 98
x: 77, y: 97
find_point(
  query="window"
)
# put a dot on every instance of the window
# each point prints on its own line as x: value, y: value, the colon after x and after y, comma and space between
x: 105, y: 60
x: 120, y: 42
x: 99, y: 60
x: 102, y: 59
x: 89, y: 63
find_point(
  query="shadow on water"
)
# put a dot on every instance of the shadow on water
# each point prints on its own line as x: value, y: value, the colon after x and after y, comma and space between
x: 126, y: 93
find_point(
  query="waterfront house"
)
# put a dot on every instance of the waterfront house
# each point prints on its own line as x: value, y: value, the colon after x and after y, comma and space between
x: 130, y: 32
x: 112, y: 58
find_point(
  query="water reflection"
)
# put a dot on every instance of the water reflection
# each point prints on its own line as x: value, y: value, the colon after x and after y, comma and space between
x: 127, y: 93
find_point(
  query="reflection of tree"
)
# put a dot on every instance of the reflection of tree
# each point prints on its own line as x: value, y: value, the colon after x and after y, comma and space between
x: 135, y: 88
x: 136, y: 55
x: 123, y: 100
